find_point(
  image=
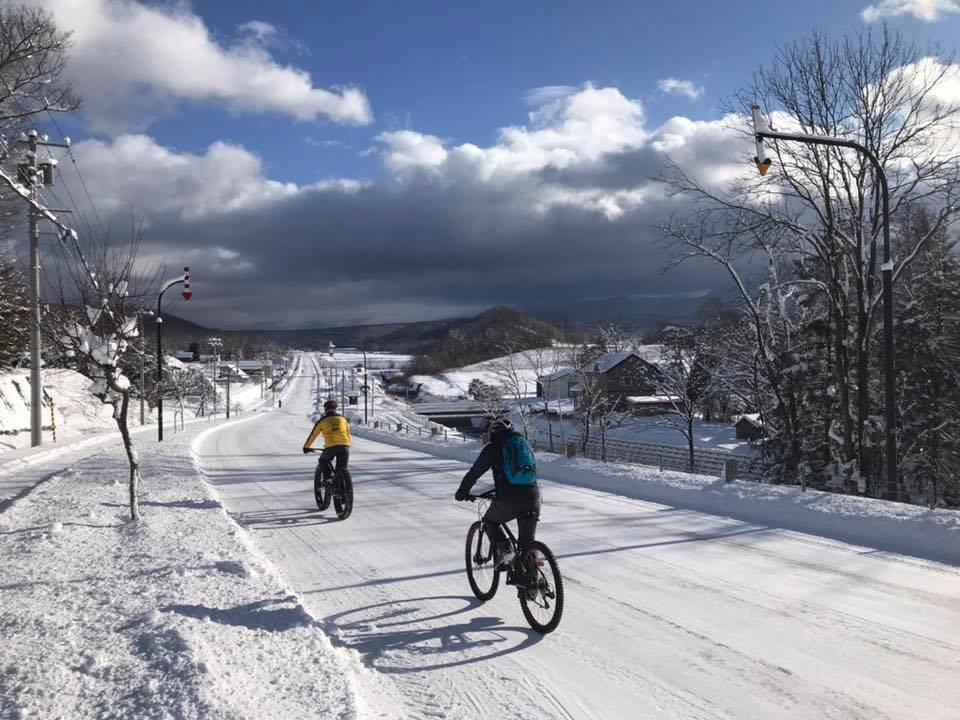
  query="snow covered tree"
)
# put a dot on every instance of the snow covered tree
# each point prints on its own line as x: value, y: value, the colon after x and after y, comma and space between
x: 817, y: 221
x: 95, y: 325
x: 14, y: 316
x: 928, y: 335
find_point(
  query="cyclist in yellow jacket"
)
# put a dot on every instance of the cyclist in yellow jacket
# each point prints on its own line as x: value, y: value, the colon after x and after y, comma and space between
x: 336, y: 436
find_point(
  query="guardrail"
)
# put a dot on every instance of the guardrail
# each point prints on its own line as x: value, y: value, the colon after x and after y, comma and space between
x: 666, y: 457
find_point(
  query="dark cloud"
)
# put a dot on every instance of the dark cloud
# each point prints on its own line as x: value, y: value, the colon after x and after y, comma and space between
x: 414, y: 253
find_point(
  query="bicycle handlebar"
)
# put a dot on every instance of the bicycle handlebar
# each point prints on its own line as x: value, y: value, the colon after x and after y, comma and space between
x: 485, y: 495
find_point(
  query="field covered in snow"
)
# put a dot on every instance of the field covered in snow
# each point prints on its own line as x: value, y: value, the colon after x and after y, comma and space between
x: 456, y: 383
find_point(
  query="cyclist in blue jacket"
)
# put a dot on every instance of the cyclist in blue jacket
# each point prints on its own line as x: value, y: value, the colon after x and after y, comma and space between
x: 520, y: 502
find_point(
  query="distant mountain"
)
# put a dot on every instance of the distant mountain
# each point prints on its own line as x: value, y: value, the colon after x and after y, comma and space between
x: 633, y: 311
x: 414, y: 337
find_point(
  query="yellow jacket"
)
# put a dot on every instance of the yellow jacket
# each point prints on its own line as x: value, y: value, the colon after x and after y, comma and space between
x: 334, y: 428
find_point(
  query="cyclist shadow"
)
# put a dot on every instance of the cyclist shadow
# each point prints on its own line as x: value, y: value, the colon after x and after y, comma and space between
x: 384, y: 631
x: 273, y: 518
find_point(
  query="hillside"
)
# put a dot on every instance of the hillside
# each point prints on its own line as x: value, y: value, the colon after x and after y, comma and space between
x: 422, y: 337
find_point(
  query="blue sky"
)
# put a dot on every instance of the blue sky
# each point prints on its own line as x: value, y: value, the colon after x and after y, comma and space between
x: 282, y: 141
x: 461, y: 70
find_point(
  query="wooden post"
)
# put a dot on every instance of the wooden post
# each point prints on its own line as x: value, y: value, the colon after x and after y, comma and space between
x: 53, y: 420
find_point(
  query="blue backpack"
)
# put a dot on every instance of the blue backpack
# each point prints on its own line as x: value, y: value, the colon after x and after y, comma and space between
x: 519, y: 464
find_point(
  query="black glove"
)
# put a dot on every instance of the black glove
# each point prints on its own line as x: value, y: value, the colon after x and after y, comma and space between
x: 306, y: 450
x: 461, y: 494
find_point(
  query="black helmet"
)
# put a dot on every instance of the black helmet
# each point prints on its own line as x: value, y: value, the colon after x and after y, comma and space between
x: 330, y: 406
x: 500, y: 426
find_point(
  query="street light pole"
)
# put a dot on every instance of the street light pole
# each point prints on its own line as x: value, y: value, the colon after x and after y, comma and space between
x: 762, y: 130
x: 366, y: 385
x: 187, y: 294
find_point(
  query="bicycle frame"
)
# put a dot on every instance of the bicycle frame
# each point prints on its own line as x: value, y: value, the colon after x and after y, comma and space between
x: 483, y: 503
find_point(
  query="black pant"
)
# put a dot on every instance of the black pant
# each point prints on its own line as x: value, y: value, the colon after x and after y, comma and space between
x: 514, y: 503
x: 340, y: 453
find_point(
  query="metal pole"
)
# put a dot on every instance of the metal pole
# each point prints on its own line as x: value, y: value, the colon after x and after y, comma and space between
x: 143, y: 354
x: 366, y: 383
x: 36, y: 421
x: 891, y: 491
x: 228, y: 392
x: 159, y: 370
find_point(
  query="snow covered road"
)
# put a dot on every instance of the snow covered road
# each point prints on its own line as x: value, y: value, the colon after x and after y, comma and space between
x: 669, y: 613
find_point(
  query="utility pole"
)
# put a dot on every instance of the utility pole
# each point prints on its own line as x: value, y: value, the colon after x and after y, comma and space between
x: 216, y: 344
x: 143, y: 352
x: 228, y: 391
x: 35, y: 173
x: 36, y: 434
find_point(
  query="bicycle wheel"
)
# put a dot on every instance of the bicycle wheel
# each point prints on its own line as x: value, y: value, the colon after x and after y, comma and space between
x: 541, y: 599
x: 343, y: 493
x: 321, y: 490
x: 481, y: 573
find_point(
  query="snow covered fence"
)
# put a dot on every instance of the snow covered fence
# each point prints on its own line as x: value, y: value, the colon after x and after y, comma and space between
x: 673, y: 457
x: 875, y: 524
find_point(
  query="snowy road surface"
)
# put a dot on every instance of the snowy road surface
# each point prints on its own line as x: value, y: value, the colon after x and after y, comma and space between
x: 669, y: 613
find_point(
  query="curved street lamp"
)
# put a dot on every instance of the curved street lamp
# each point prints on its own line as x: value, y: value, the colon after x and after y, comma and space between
x: 187, y: 294
x: 762, y: 130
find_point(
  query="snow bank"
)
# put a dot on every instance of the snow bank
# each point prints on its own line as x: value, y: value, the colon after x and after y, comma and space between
x: 876, y: 524
x: 76, y: 412
x: 174, y: 616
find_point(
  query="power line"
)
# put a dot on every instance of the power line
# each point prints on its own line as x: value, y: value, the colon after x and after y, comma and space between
x: 83, y: 182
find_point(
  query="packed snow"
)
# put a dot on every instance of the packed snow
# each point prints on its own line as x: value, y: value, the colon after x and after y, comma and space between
x: 234, y: 597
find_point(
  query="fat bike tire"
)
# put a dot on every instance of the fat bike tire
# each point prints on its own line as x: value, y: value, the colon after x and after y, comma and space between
x: 483, y: 577
x: 321, y: 490
x: 343, y: 494
x: 542, y: 606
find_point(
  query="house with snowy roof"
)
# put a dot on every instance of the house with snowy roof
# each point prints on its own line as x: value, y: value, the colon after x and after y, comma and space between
x: 556, y: 385
x: 621, y: 375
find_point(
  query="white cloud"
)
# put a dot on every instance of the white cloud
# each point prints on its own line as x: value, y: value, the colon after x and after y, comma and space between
x: 131, y: 61
x: 926, y: 10
x: 559, y: 158
x: 547, y: 93
x: 259, y: 29
x: 580, y: 127
x: 680, y: 87
x: 133, y: 173
x: 411, y: 151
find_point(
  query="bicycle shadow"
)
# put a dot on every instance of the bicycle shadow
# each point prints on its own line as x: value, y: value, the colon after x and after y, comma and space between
x: 401, y: 636
x: 277, y: 518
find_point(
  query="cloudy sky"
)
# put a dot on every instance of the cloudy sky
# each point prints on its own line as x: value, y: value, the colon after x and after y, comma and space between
x: 333, y: 163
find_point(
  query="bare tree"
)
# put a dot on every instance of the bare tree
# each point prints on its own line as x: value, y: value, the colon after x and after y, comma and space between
x: 95, y: 324
x: 33, y: 55
x: 682, y: 380
x: 592, y: 402
x: 817, y: 220
x: 512, y: 371
x: 546, y: 361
